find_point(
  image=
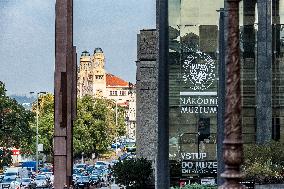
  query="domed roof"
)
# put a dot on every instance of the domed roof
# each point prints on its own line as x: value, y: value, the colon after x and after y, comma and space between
x: 85, y: 53
x: 98, y: 50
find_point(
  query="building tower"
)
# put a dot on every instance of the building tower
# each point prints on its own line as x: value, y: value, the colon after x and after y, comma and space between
x: 85, y: 77
x: 98, y: 71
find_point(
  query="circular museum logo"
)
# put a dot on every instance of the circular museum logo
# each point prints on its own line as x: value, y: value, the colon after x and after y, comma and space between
x: 199, y: 71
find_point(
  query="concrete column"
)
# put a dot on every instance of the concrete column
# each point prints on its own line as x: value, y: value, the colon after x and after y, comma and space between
x: 264, y: 72
x: 147, y: 96
x: 63, y: 83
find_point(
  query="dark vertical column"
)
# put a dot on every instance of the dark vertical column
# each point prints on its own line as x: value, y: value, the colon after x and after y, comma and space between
x: 233, y: 145
x: 163, y: 99
x: 62, y: 93
x: 264, y: 72
x: 221, y: 99
x: 276, y: 69
x: 70, y: 85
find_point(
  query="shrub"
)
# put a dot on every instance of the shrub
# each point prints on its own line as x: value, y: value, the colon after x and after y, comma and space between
x: 133, y: 173
x: 196, y: 186
x: 264, y: 164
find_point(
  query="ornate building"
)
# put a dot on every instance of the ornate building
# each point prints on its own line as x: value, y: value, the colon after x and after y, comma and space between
x: 93, y: 80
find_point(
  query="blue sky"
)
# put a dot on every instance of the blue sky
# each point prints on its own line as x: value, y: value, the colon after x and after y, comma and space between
x: 27, y: 38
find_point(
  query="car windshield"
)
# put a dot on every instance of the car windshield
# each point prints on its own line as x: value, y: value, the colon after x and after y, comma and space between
x: 131, y: 144
x: 8, y: 180
x: 80, y: 166
x: 41, y: 177
x: 83, y: 179
x: 26, y: 180
x: 100, y: 163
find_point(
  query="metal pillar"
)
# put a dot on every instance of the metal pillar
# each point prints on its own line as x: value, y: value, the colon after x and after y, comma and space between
x: 233, y: 145
x: 63, y: 93
x: 162, y: 172
x: 221, y: 98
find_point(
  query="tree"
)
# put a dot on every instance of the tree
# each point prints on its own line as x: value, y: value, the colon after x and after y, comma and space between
x: 15, y: 127
x: 5, y: 157
x: 46, y: 122
x: 95, y: 128
x: 15, y: 122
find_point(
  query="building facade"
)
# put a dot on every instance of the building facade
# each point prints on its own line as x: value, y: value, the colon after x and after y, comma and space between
x: 195, y: 55
x: 195, y: 45
x: 95, y: 81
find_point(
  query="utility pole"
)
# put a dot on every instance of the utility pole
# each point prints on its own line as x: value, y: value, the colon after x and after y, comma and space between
x: 37, y: 116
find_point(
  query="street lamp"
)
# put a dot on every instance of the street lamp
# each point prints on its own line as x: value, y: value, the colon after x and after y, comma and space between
x: 37, y: 114
x: 116, y: 124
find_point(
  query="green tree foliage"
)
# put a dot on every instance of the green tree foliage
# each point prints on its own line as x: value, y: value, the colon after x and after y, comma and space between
x: 133, y: 173
x: 45, y: 122
x: 5, y: 157
x: 95, y: 129
x: 15, y: 129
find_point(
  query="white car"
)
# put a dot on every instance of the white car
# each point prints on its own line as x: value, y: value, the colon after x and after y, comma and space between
x: 41, y: 181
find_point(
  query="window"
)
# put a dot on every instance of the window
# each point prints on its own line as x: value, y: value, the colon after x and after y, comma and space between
x: 276, y: 128
x: 122, y: 93
x: 113, y: 93
x: 99, y: 77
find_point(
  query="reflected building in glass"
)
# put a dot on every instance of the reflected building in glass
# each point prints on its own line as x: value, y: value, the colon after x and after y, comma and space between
x: 193, y: 81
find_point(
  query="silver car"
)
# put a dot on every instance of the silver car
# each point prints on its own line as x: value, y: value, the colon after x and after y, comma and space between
x: 26, y: 182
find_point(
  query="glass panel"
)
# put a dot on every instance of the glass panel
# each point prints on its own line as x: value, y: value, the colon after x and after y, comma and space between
x: 193, y: 65
x: 248, y: 45
x: 278, y: 70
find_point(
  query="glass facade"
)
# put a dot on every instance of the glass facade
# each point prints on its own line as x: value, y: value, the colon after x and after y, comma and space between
x: 193, y: 81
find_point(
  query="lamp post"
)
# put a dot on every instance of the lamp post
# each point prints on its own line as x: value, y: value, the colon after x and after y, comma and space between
x: 116, y: 124
x: 37, y: 115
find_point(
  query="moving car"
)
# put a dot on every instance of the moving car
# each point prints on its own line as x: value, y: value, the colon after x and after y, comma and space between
x: 10, y: 183
x: 26, y: 182
x: 94, y: 180
x: 42, y: 181
x: 130, y: 147
x: 82, y: 182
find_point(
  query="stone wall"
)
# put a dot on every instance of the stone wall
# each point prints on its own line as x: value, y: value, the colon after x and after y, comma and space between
x: 147, y: 95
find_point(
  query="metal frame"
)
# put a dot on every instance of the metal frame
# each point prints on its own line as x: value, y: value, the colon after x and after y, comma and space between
x: 162, y: 160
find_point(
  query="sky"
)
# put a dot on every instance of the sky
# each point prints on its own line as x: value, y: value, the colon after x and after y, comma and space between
x: 27, y: 32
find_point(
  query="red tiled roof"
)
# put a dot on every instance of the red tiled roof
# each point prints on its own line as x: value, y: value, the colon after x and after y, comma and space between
x: 112, y: 80
x: 123, y: 104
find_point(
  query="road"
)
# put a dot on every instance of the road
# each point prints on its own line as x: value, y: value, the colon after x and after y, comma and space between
x: 112, y: 186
